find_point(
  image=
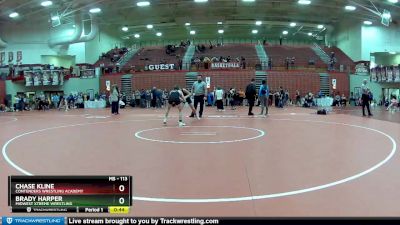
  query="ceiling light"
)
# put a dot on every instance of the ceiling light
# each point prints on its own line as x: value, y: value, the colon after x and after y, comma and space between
x: 220, y: 31
x: 219, y: 23
x: 258, y: 23
x: 54, y: 18
x: 95, y: 10
x: 125, y: 28
x: 192, y: 32
x: 285, y: 32
x: 304, y: 2
x: 320, y: 26
x: 46, y: 3
x: 367, y: 22
x: 200, y: 0
x: 254, y: 31
x: 187, y: 24
x: 143, y: 3
x: 392, y: 53
x: 149, y: 26
x: 393, y: 1
x: 248, y: 0
x: 159, y: 34
x: 310, y: 34
x: 350, y: 8
x: 293, y: 24
x: 137, y: 35
x: 13, y: 15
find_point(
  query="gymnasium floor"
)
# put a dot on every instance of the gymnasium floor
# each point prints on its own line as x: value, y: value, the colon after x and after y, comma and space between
x: 293, y: 163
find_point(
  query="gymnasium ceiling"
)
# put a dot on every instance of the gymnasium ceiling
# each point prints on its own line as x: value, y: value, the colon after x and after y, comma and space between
x: 238, y: 17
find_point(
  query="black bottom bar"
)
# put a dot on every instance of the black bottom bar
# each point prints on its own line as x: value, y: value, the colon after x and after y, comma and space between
x: 221, y: 221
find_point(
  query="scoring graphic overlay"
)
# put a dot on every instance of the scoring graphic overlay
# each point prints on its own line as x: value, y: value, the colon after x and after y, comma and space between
x: 75, y: 194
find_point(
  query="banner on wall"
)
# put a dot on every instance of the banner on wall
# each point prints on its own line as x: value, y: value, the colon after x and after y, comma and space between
x: 108, y: 85
x: 224, y: 65
x: 361, y: 68
x: 389, y: 75
x: 374, y: 76
x: 10, y: 56
x: 19, y: 56
x: 28, y: 79
x: 2, y: 57
x: 37, y: 79
x: 56, y: 79
x: 397, y: 74
x: 334, y: 84
x: 46, y: 78
x: 208, y: 82
x: 160, y: 67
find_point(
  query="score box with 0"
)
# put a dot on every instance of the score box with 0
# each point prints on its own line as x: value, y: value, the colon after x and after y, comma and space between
x: 69, y: 191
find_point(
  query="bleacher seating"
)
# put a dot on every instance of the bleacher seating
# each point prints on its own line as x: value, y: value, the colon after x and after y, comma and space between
x: 235, y: 51
x: 302, y: 54
x: 111, y: 57
x: 153, y: 55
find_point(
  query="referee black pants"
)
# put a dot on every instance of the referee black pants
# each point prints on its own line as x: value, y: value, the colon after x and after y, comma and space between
x: 199, y: 99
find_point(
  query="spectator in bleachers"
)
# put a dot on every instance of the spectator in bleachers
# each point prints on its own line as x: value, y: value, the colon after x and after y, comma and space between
x: 117, y: 67
x: 197, y: 62
x: 270, y: 63
x: 180, y: 63
x: 207, y: 63
x: 243, y: 62
x: 292, y: 61
x: 287, y: 62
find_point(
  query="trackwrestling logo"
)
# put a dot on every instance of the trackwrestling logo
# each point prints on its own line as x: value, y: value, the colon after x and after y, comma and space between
x: 33, y: 220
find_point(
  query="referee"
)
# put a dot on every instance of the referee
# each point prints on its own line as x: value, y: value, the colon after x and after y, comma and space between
x: 365, y: 98
x: 199, y: 90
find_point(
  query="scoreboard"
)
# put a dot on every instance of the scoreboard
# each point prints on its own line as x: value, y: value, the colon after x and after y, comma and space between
x: 74, y: 194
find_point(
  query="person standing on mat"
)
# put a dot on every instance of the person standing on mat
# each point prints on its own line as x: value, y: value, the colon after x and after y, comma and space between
x: 365, y: 98
x: 199, y: 89
x: 114, y: 97
x: 188, y: 99
x: 175, y: 98
x: 264, y: 97
x: 251, y: 92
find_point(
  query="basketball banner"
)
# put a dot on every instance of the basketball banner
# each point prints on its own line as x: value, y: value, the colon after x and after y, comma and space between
x: 19, y: 56
x: 224, y: 65
x: 10, y: 56
x: 396, y: 73
x: 28, y: 79
x: 2, y: 56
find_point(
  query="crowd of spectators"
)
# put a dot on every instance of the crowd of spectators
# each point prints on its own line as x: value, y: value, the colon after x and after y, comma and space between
x: 205, y: 61
x: 46, y: 101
